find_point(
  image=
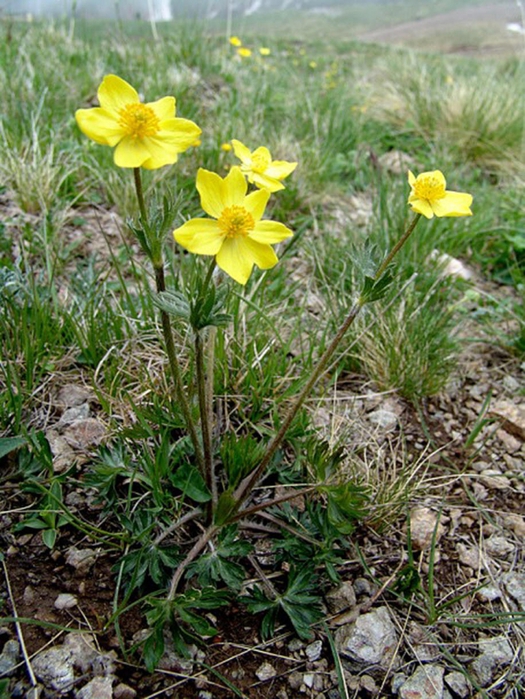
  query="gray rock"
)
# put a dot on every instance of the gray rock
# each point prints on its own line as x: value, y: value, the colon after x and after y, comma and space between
x: 65, y: 601
x: 71, y: 396
x: 458, y: 683
x: 514, y: 584
x: 384, y: 419
x: 81, y: 559
x: 55, y: 667
x: 295, y: 680
x: 425, y: 683
x: 124, y: 691
x: 313, y: 650
x: 341, y: 597
x: 423, y: 523
x: 265, y: 672
x: 370, y: 640
x: 9, y: 658
x: 499, y: 546
x: 495, y: 652
x: 98, y: 688
x: 362, y: 586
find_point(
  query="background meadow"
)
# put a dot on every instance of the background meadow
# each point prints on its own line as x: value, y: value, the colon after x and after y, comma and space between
x: 425, y: 400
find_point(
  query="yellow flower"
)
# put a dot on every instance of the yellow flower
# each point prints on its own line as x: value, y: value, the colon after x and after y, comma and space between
x: 430, y: 197
x: 145, y: 135
x: 235, y: 41
x: 244, y: 52
x: 264, y: 51
x: 226, y: 147
x: 236, y: 235
x: 260, y: 169
x: 313, y: 65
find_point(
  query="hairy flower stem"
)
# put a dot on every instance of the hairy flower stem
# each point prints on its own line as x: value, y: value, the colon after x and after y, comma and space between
x: 397, y: 247
x: 205, y: 416
x: 191, y: 556
x: 248, y: 484
x: 160, y: 282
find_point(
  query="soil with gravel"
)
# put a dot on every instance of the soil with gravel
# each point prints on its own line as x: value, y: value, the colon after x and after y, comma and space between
x: 467, y: 534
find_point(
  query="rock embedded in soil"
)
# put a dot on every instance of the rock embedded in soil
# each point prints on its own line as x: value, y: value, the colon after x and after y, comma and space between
x: 341, y: 597
x: 425, y: 683
x: 371, y: 640
x: 65, y: 601
x: 265, y: 672
x: 495, y: 652
x: 313, y: 650
x: 124, y: 691
x: 514, y: 584
x: 423, y: 524
x: 9, y: 658
x: 97, y: 688
x: 81, y: 559
x: 458, y: 683
x: 72, y: 395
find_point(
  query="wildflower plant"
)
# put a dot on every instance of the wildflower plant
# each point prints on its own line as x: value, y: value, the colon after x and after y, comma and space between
x: 214, y: 472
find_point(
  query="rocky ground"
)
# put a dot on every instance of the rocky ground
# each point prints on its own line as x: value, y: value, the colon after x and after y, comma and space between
x: 462, y: 636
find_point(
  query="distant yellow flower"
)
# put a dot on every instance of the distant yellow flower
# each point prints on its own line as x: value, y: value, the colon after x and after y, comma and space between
x: 430, y: 197
x: 259, y: 167
x: 264, y: 51
x: 226, y: 147
x: 244, y: 52
x: 145, y: 135
x: 313, y: 64
x: 449, y: 80
x: 235, y: 41
x: 235, y: 235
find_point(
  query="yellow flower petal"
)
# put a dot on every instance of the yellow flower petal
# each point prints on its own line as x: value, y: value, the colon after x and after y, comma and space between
x: 265, y: 182
x: 270, y: 232
x: 235, y: 187
x: 256, y: 202
x: 99, y: 125
x: 131, y: 152
x: 115, y: 93
x: 280, y: 169
x: 236, y: 259
x: 262, y: 255
x: 201, y: 236
x: 242, y: 152
x: 243, y: 52
x: 453, y: 204
x: 178, y: 133
x: 421, y: 206
x: 235, y: 41
x: 163, y: 108
x: 211, y: 189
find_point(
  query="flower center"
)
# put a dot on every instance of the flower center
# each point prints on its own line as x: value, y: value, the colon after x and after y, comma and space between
x: 260, y: 162
x: 429, y: 187
x: 236, y: 221
x: 139, y: 120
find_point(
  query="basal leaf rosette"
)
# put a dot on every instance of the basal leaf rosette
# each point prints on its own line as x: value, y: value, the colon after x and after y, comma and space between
x: 145, y: 135
x: 236, y: 234
x: 259, y: 167
x: 430, y: 197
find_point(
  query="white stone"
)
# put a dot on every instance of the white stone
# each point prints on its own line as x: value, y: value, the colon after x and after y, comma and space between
x: 265, y: 672
x: 372, y: 639
x: 65, y: 601
x: 425, y: 683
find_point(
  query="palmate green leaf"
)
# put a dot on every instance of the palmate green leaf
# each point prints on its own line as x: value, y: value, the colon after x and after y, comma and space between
x: 218, y: 565
x: 300, y: 602
x: 375, y: 289
x: 188, y: 479
x: 153, y: 647
x: 207, y: 308
x: 173, y: 303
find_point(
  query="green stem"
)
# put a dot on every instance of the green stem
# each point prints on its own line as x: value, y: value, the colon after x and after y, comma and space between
x: 248, y: 484
x: 397, y: 247
x: 205, y: 417
x: 176, y: 371
x: 160, y: 282
x: 140, y: 197
x: 190, y: 556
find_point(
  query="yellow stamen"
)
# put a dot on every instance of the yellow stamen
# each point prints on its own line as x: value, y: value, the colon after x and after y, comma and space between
x: 139, y: 120
x: 260, y: 162
x: 429, y: 187
x: 236, y: 221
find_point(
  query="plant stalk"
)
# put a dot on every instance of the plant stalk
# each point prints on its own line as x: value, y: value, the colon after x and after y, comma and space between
x: 160, y: 282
